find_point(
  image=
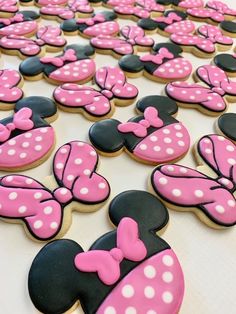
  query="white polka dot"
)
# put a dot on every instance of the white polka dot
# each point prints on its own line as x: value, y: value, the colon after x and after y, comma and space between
x: 170, y: 151
x: 167, y: 297
x: 231, y: 161
x: 38, y: 224
x: 48, y: 210
x: 150, y: 271
x: 12, y: 196
x: 178, y: 127
x: 38, y: 148
x: 37, y: 195
x: 28, y: 135
x: 127, y: 291
x: 208, y: 151
x: 153, y: 138
x: 63, y: 191
x: 230, y: 148
x: 221, y: 138
x: 166, y: 131
x: 87, y: 172
x: 25, y: 144
x: 78, y: 161
x: 38, y: 138
x: 176, y: 192
x: 181, y: 143
x: 84, y: 191
x: 12, y: 142
x: 149, y: 292
x: 59, y: 165
x: 54, y: 225
x: 70, y: 177
x: 22, y: 209
x: 156, y: 148
x: 163, y: 181
x: 143, y: 146
x: 151, y: 312
x: 167, y: 140
x: 92, y: 153
x: 110, y: 310
x: 11, y: 152
x: 170, y: 168
x: 198, y: 193
x: 179, y: 134
x: 9, y: 178
x: 43, y: 130
x: 167, y: 260
x: 80, y: 144
x: 102, y: 185
x: 130, y: 310
x: 29, y: 181
x: 167, y: 277
x: 63, y: 151
x: 220, y: 209
x: 23, y: 155
x: 231, y: 203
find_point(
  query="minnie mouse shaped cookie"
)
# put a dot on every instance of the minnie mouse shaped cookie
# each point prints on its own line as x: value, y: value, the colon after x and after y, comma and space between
x: 72, y: 66
x: 164, y: 64
x: 23, y: 23
x: 207, y: 191
x: 48, y: 38
x: 205, y: 43
x: 101, y: 23
x: 170, y: 23
x: 154, y: 137
x: 8, y: 8
x: 26, y: 137
x: 134, y: 270
x: 134, y: 40
x: 95, y: 104
x: 45, y: 213
x: 211, y: 99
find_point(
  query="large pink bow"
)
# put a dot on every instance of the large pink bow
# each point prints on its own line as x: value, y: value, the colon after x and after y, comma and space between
x: 159, y: 57
x: 16, y: 18
x: 107, y: 263
x: 21, y: 121
x: 69, y: 55
x: 171, y: 18
x: 140, y: 128
x: 91, y: 21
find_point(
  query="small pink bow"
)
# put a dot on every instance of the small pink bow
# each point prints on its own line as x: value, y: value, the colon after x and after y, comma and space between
x: 172, y: 17
x: 107, y: 263
x: 21, y: 121
x: 92, y: 20
x: 16, y: 18
x: 140, y: 128
x: 159, y: 57
x: 69, y: 55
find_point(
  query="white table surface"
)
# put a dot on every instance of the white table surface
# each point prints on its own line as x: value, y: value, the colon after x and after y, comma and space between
x: 208, y: 256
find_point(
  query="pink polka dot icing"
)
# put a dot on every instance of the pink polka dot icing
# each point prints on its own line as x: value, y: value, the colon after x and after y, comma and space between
x: 105, y: 28
x: 8, y: 6
x: 9, y: 92
x: 181, y: 27
x: 191, y: 4
x: 114, y: 3
x: 154, y: 286
x: 51, y: 2
x: 188, y: 188
x: 19, y: 29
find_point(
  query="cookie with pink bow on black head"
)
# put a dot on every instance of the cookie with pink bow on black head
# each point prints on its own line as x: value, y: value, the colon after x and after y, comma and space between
x: 152, y: 137
x: 134, y: 270
x: 26, y: 137
x: 96, y: 103
x: 163, y: 64
x: 8, y: 8
x: 74, y: 65
x: 44, y: 209
x: 101, y: 23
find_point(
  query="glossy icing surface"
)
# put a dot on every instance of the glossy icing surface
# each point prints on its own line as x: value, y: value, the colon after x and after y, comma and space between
x: 9, y: 81
x: 8, y: 6
x: 226, y: 62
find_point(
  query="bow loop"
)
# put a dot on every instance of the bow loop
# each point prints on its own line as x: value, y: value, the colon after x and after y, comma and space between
x: 69, y: 55
x: 17, y: 18
x: 159, y: 57
x: 170, y: 19
x: 91, y: 21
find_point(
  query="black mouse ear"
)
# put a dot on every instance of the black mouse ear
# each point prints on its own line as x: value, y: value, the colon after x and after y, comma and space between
x: 175, y: 49
x: 109, y: 15
x: 82, y: 51
x: 141, y: 206
x: 53, y: 281
x: 147, y: 24
x: 29, y: 15
x: 69, y: 26
x: 131, y: 64
x: 31, y: 67
x: 227, y: 125
x: 104, y: 135
x: 42, y: 106
x: 181, y: 14
x: 226, y: 62
x: 163, y: 104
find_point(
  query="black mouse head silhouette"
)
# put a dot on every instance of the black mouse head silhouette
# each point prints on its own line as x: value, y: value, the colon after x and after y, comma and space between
x: 153, y: 137
x: 115, y: 265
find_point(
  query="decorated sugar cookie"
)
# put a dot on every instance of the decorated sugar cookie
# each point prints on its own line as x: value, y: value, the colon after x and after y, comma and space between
x: 164, y: 64
x: 133, y: 269
x: 26, y: 137
x: 214, y: 12
x: 48, y: 38
x: 227, y: 62
x: 154, y: 137
x: 101, y: 23
x: 207, y: 191
x: 210, y: 98
x: 73, y: 9
x: 8, y: 8
x: 205, y: 43
x: 22, y: 23
x: 45, y: 213
x: 10, y: 88
x: 96, y: 103
x: 134, y: 39
x: 170, y: 23
x: 226, y: 125
x: 72, y: 66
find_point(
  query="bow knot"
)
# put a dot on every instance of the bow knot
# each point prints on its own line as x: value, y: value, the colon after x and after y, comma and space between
x: 117, y: 254
x: 16, y: 18
x: 218, y: 90
x: 91, y: 21
x: 172, y: 17
x: 40, y: 42
x: 107, y: 93
x: 159, y: 57
x: 21, y: 121
x: 69, y: 55
x: 63, y: 195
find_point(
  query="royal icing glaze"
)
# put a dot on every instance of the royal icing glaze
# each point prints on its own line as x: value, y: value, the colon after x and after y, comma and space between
x: 208, y: 98
x: 74, y: 168
x: 226, y: 125
x: 186, y: 4
x: 134, y: 37
x: 164, y: 64
x: 72, y: 66
x: 42, y: 3
x: 26, y: 138
x: 226, y: 62
x: 97, y: 103
x: 100, y: 23
x: 9, y: 90
x: 187, y: 188
x: 132, y: 268
x: 47, y: 38
x: 8, y: 7
x: 154, y: 137
x: 206, y: 42
x: 170, y: 23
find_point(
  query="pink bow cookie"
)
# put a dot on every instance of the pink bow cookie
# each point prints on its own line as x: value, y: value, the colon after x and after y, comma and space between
x: 8, y: 7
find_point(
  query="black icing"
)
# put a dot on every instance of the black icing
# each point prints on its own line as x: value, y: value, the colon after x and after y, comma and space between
x: 227, y: 125
x: 228, y: 26
x: 226, y: 62
x: 55, y: 284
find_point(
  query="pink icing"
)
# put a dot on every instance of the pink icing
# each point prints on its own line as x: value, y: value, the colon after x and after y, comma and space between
x: 158, y: 58
x: 170, y: 19
x: 52, y: 2
x: 20, y: 29
x: 15, y: 19
x: 107, y: 263
x: 221, y: 7
x: 191, y: 4
x: 209, y: 98
x: 187, y: 187
x: 154, y: 286
x: 10, y: 93
x: 9, y: 6
x: 206, y: 13
x: 98, y: 18
x: 182, y: 27
x: 105, y: 28
x: 46, y: 35
x: 150, y: 5
x: 132, y: 10
x: 115, y: 3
